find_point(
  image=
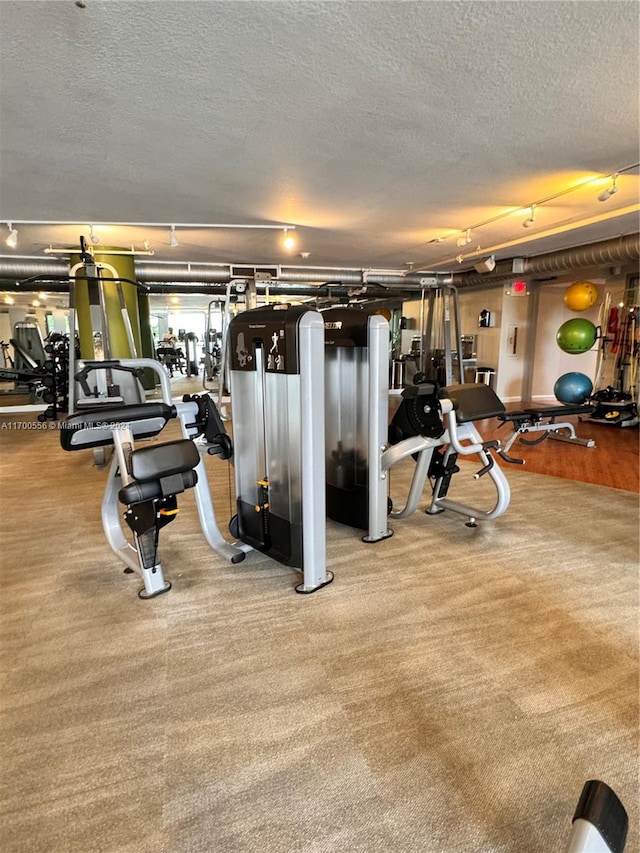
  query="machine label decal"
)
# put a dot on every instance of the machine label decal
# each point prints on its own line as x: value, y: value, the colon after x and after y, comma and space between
x: 244, y: 356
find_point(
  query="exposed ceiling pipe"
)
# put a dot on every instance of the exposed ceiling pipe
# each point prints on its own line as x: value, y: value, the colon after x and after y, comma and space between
x: 626, y: 248
x: 292, y: 279
x: 18, y: 269
x: 614, y: 251
x: 147, y: 272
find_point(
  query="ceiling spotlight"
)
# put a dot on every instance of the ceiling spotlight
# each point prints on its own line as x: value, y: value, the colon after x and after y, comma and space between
x: 460, y: 258
x: 173, y: 240
x: 12, y: 239
x: 531, y: 219
x: 93, y: 237
x: 605, y: 195
x: 9, y: 300
x: 465, y: 239
x: 288, y: 242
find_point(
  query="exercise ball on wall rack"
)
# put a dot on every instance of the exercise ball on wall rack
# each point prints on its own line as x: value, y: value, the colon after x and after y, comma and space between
x: 580, y: 295
x: 573, y: 388
x: 576, y: 336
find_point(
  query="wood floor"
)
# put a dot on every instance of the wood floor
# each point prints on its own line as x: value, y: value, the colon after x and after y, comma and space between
x: 614, y: 461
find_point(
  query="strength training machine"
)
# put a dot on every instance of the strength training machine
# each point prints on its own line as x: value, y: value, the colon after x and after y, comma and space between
x: 146, y: 480
x: 276, y: 371
x: 358, y: 458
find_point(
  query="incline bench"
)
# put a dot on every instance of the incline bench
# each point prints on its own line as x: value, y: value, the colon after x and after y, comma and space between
x: 542, y: 420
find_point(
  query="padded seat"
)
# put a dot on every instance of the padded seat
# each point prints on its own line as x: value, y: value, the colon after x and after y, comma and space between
x: 161, y: 470
x: 473, y: 402
x: 92, y: 427
x: 538, y: 413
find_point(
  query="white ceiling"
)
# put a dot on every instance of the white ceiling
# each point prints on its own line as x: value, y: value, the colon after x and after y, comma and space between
x: 375, y: 128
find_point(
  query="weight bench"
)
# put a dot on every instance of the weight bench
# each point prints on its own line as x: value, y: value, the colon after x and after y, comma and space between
x: 542, y: 420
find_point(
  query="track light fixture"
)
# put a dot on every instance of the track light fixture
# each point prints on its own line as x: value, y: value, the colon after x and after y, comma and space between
x: 531, y: 218
x: 12, y: 239
x: 465, y: 238
x: 605, y: 195
x: 93, y: 237
x: 288, y: 242
x: 173, y: 240
x: 486, y: 265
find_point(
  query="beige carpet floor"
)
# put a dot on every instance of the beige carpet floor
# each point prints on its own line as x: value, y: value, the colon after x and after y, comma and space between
x: 450, y: 691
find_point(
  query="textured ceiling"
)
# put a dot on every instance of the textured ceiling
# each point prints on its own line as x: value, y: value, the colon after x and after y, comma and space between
x: 376, y: 128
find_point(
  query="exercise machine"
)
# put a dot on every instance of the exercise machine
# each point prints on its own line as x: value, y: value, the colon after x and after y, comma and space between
x: 276, y: 370
x: 439, y: 355
x: 212, y: 347
x: 240, y: 291
x: 99, y: 388
x: 361, y: 449
x: 147, y: 480
x: 356, y: 402
x: 460, y: 407
x: 191, y: 353
x: 600, y: 822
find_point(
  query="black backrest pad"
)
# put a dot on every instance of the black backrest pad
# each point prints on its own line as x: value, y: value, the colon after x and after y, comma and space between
x: 91, y: 427
x: 473, y: 402
x: 163, y: 460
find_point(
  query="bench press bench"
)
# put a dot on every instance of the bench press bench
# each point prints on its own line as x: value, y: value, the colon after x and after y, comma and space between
x: 542, y: 420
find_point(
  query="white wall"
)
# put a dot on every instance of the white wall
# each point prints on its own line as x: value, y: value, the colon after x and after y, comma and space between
x: 539, y: 361
x: 472, y: 302
x: 514, y: 332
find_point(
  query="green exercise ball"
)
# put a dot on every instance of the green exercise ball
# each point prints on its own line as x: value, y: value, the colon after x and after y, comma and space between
x: 576, y: 336
x: 580, y: 296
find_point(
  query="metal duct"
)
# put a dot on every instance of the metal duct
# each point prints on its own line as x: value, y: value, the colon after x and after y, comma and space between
x: 18, y: 269
x: 287, y: 279
x: 616, y: 250
x: 148, y: 272
x: 626, y: 248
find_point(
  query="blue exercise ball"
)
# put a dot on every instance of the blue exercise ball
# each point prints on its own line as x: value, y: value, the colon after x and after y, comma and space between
x: 573, y: 388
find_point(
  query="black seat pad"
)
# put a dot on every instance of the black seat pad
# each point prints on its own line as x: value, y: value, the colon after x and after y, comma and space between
x: 92, y: 419
x: 161, y: 470
x: 134, y: 493
x: 473, y: 402
x: 537, y: 413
